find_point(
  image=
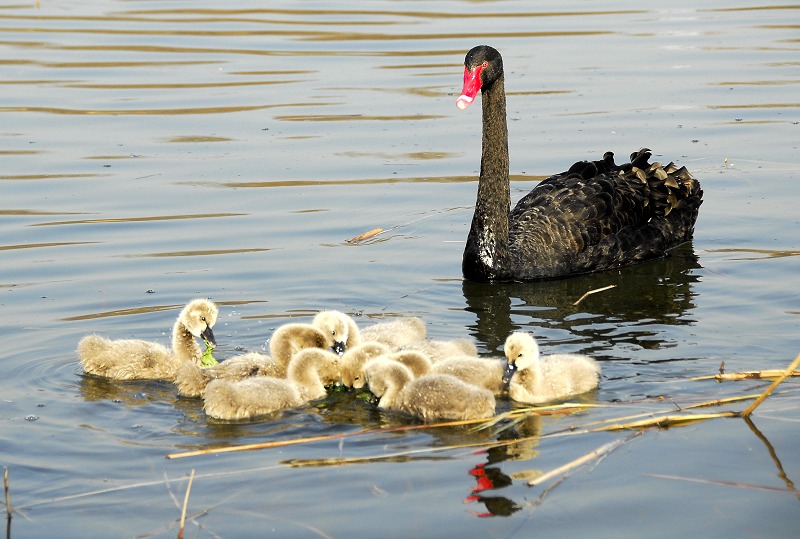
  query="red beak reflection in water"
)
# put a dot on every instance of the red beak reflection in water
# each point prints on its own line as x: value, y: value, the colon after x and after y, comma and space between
x: 491, y: 479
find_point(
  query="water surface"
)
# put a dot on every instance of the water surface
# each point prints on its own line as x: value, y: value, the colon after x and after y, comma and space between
x: 157, y: 151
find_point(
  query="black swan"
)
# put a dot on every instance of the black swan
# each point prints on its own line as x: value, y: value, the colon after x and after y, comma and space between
x: 595, y: 216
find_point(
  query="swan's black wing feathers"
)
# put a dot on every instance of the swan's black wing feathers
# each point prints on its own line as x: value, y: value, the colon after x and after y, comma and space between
x: 598, y: 215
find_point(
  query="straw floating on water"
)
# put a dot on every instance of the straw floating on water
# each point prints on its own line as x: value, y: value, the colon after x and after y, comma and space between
x: 746, y: 375
x: 601, y: 451
x: 595, y: 291
x: 185, y: 504
x: 8, y: 494
x: 772, y: 386
x: 296, y: 441
x: 366, y: 235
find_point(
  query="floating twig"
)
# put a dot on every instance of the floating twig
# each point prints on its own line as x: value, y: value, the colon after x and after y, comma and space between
x: 747, y: 375
x: 597, y: 453
x: 296, y: 441
x: 719, y: 402
x: 724, y: 483
x: 399, y: 456
x: 366, y: 235
x: 772, y: 386
x: 663, y: 421
x: 8, y: 494
x: 595, y: 291
x: 524, y: 413
x: 185, y: 504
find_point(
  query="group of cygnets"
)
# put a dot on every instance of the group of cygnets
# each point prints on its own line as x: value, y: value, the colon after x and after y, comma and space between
x: 406, y: 371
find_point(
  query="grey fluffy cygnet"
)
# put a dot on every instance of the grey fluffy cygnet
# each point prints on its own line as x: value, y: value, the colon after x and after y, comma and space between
x: 430, y: 397
x: 135, y: 359
x: 308, y: 373
x: 536, y: 380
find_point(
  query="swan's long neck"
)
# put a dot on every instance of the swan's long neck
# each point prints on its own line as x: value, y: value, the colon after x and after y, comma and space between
x: 184, y: 345
x: 395, y: 380
x: 488, y: 237
x: 534, y: 372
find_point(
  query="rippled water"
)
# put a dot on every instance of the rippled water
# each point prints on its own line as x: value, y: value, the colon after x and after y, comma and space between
x: 157, y: 151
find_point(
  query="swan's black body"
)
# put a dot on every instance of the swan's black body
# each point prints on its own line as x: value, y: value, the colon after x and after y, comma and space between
x: 595, y: 216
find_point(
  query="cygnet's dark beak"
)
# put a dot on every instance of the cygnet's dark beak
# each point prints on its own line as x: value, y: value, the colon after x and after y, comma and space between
x: 338, y: 347
x: 508, y: 374
x: 208, y: 335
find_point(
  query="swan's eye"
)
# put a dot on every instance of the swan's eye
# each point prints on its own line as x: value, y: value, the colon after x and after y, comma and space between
x: 485, y: 63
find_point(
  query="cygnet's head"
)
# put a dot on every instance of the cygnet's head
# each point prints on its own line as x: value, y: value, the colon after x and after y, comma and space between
x: 334, y: 325
x: 199, y: 316
x: 521, y: 353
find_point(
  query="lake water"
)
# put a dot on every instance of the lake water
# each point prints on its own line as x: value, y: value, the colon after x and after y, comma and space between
x: 157, y: 151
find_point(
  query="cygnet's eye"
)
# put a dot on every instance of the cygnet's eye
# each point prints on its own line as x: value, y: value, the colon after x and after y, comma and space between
x: 203, y: 318
x: 520, y: 355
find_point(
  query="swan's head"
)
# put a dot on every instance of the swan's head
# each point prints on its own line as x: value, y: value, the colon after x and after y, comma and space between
x: 355, y: 358
x: 482, y: 66
x: 199, y: 316
x: 521, y: 352
x: 386, y: 375
x: 334, y: 325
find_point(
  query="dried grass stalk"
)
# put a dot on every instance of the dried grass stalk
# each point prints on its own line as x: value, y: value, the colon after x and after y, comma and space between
x: 595, y: 291
x: 772, y: 386
x: 366, y: 235
x: 597, y: 453
x: 8, y: 493
x: 185, y: 504
x: 662, y: 421
x: 720, y: 402
x: 520, y: 414
x: 311, y: 439
x: 746, y: 375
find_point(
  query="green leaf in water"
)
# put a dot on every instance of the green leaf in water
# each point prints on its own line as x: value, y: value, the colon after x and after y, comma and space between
x: 207, y: 359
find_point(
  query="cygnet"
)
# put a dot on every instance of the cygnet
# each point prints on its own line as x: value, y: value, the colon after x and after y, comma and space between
x: 536, y: 380
x: 135, y: 359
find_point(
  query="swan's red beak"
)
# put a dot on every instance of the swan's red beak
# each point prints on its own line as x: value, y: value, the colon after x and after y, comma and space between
x: 472, y: 84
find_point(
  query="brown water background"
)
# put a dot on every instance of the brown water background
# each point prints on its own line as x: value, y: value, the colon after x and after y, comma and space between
x: 156, y: 151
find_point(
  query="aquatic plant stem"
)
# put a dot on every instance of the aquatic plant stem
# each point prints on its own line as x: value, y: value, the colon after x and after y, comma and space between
x: 185, y: 504
x: 771, y: 388
x: 597, y: 453
x: 282, y: 443
x: 595, y: 291
x: 8, y: 494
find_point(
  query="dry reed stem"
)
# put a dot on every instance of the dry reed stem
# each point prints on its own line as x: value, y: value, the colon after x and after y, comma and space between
x: 597, y: 453
x: 719, y: 402
x: 723, y: 483
x: 185, y: 504
x: 595, y: 291
x: 772, y: 386
x: 585, y: 427
x: 392, y: 457
x: 366, y: 235
x: 8, y: 493
x: 664, y: 421
x: 311, y: 439
x: 563, y: 408
x: 746, y: 375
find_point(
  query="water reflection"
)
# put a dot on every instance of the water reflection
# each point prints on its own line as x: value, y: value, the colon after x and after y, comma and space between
x: 489, y: 476
x: 130, y: 393
x: 646, y: 298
